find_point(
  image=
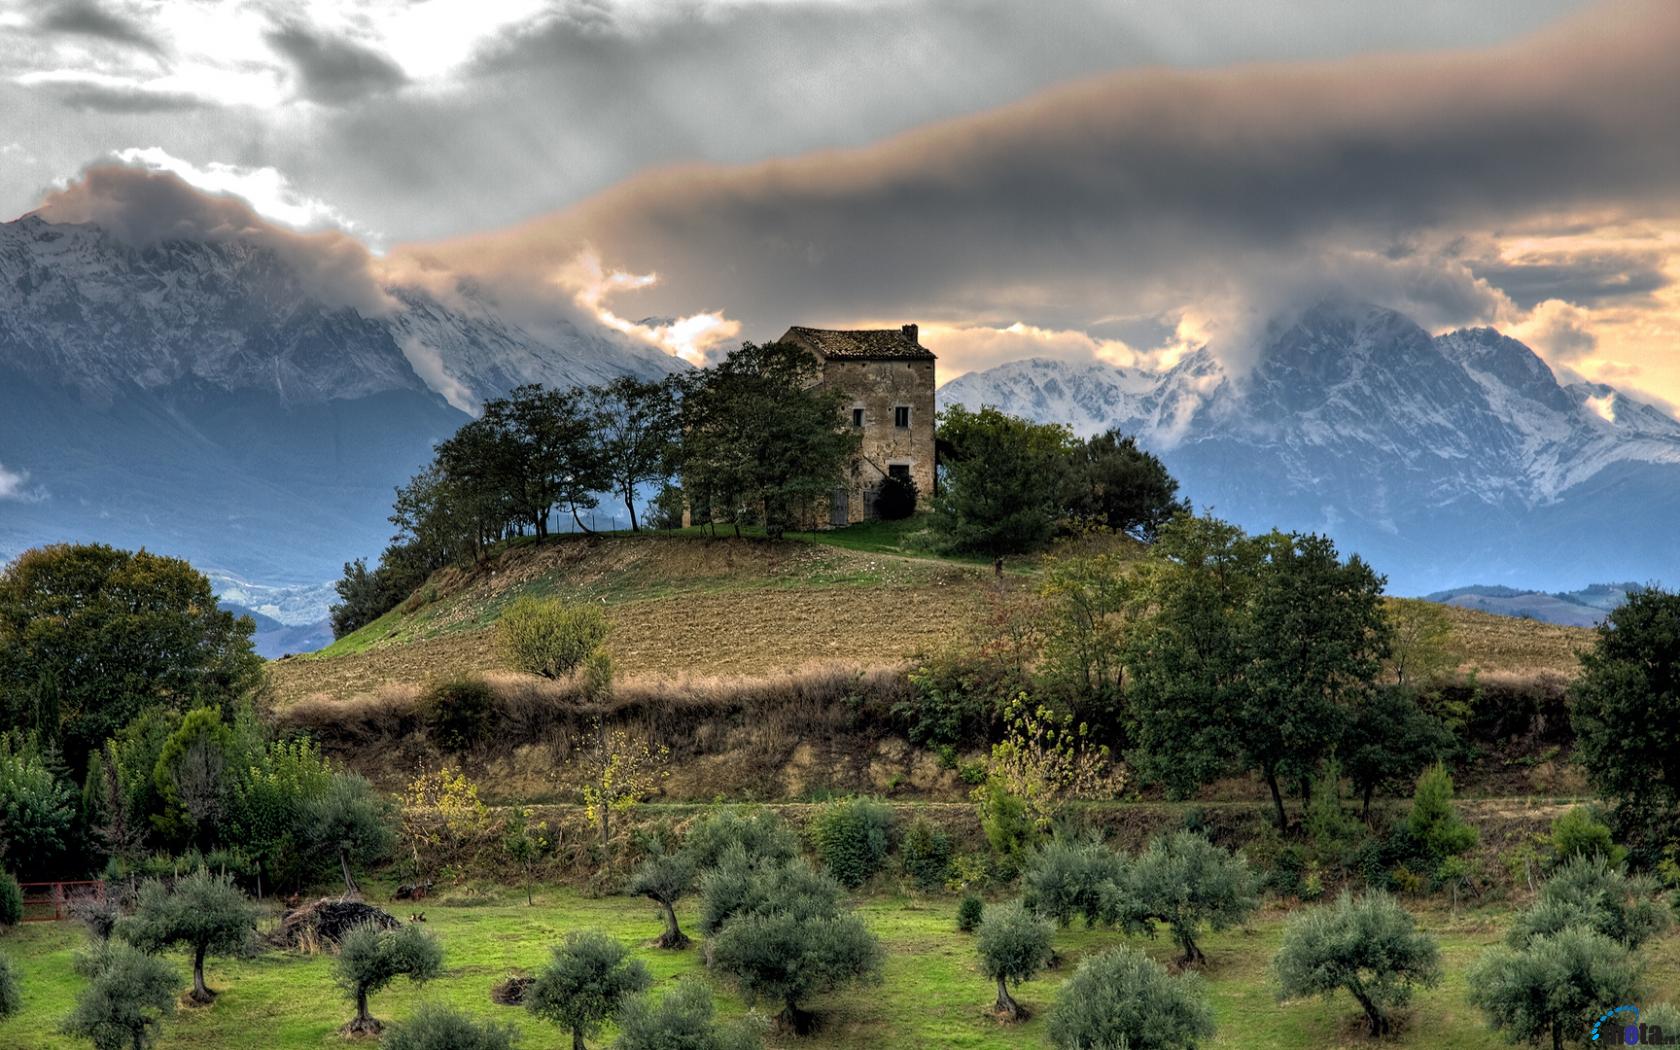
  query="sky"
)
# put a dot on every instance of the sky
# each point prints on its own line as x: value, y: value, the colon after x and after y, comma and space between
x: 1118, y: 181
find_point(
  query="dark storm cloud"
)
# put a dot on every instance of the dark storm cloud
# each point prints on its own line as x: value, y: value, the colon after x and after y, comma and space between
x: 1152, y: 186
x: 1586, y: 278
x: 103, y: 98
x: 88, y: 19
x: 332, y: 70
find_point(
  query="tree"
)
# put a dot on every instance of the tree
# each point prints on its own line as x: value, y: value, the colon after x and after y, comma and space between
x: 1367, y: 945
x: 1004, y: 479
x: 1014, y: 945
x: 524, y: 843
x: 665, y: 877
x: 623, y: 771
x: 1044, y: 760
x: 1115, y: 484
x: 1420, y: 641
x: 1577, y: 833
x: 784, y: 934
x: 350, y: 824
x: 1595, y: 894
x: 440, y: 810
x: 1556, y: 984
x: 200, y: 912
x: 1088, y: 601
x: 195, y: 774
x: 1434, y: 822
x: 635, y: 423
x: 1123, y: 998
x: 896, y: 497
x: 11, y: 1000
x: 1186, y: 882
x: 588, y: 979
x: 1389, y: 739
x: 852, y: 836
x: 1625, y: 709
x: 754, y: 833
x: 682, y: 1020
x: 369, y: 959
x: 762, y: 437
x: 548, y: 638
x: 1067, y: 878
x: 434, y: 1027
x: 91, y: 636
x: 37, y: 809
x: 272, y: 811
x: 128, y: 995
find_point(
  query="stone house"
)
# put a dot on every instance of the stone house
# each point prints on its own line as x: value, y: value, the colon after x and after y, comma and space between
x: 888, y: 376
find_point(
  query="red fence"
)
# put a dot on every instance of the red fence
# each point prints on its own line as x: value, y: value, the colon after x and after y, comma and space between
x: 50, y: 901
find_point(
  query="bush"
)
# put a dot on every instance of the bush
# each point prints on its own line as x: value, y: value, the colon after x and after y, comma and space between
x: 11, y: 1001
x: 759, y: 835
x: 1014, y: 944
x: 971, y: 912
x: 37, y: 810
x: 548, y: 638
x: 589, y: 977
x: 436, y: 1027
x: 1589, y: 892
x: 959, y: 697
x: 11, y: 900
x: 1005, y: 819
x: 1434, y: 823
x: 926, y: 854
x: 458, y: 712
x: 98, y: 915
x: 1124, y: 998
x: 1186, y: 882
x: 682, y: 1020
x: 895, y: 497
x: 852, y: 837
x: 127, y: 996
x: 1368, y: 945
x: 1554, y: 987
x: 1065, y: 879
x: 1579, y: 834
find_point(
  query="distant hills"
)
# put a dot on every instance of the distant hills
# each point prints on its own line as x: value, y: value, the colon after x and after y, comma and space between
x: 1586, y: 607
x: 1438, y: 458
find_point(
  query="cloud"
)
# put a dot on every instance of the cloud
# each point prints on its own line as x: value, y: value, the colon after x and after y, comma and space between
x: 144, y: 206
x: 335, y: 70
x: 1557, y: 331
x: 1584, y: 277
x: 689, y: 338
x: 1150, y: 191
x: 14, y: 485
x: 87, y: 19
x: 266, y: 189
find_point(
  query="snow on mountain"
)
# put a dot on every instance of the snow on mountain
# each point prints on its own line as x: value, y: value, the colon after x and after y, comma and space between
x: 1438, y: 457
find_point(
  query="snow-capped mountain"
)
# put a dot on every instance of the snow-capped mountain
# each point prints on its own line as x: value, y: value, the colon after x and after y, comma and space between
x: 1438, y: 458
x: 206, y: 397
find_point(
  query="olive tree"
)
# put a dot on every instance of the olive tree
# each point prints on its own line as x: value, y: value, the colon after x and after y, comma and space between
x: 1367, y: 945
x: 369, y: 959
x: 683, y: 1020
x: 1123, y: 998
x: 441, y: 1028
x: 1066, y: 879
x: 1014, y: 945
x: 665, y: 878
x: 350, y: 823
x: 1591, y: 892
x: 1186, y: 882
x: 588, y: 979
x: 1555, y: 984
x: 202, y: 912
x: 128, y: 995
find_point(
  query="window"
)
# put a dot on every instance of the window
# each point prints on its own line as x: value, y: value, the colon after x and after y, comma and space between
x: 901, y: 416
x: 857, y: 417
x: 898, y: 470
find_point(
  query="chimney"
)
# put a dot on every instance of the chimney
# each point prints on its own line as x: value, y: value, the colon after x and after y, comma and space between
x: 910, y: 332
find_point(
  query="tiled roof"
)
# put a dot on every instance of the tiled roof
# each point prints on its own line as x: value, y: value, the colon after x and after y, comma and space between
x: 861, y: 344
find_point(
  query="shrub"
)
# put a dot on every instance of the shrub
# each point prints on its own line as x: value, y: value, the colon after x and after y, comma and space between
x: 1554, y: 987
x: 588, y: 979
x: 458, y: 712
x: 1186, y: 882
x: 971, y: 911
x: 1367, y: 945
x: 598, y: 675
x: 1065, y: 879
x: 852, y: 837
x: 11, y: 1001
x: 1014, y: 944
x: 369, y: 959
x: 1434, y: 823
x: 1006, y: 820
x: 758, y: 834
x: 11, y: 900
x: 926, y: 854
x: 201, y: 912
x: 37, y: 810
x: 895, y: 497
x: 1577, y: 833
x: 958, y: 699
x: 548, y: 638
x: 1589, y: 892
x: 436, y: 1027
x: 127, y: 996
x: 682, y: 1020
x: 1124, y: 998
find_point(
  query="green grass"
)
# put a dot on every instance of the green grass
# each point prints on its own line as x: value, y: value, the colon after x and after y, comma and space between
x: 932, y: 995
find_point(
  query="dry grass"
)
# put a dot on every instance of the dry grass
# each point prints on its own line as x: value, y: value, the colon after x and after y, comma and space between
x: 1486, y: 643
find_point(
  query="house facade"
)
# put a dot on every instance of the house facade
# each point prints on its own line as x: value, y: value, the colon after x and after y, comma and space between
x: 888, y: 379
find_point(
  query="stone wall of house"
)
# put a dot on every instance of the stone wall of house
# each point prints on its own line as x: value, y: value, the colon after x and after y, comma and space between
x: 878, y: 388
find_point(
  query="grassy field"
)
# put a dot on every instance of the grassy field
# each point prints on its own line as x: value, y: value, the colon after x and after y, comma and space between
x: 932, y: 995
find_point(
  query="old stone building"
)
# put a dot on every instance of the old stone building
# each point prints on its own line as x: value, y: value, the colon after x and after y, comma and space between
x: 888, y: 376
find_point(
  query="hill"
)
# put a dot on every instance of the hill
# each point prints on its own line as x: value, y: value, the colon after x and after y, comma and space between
x: 1586, y: 607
